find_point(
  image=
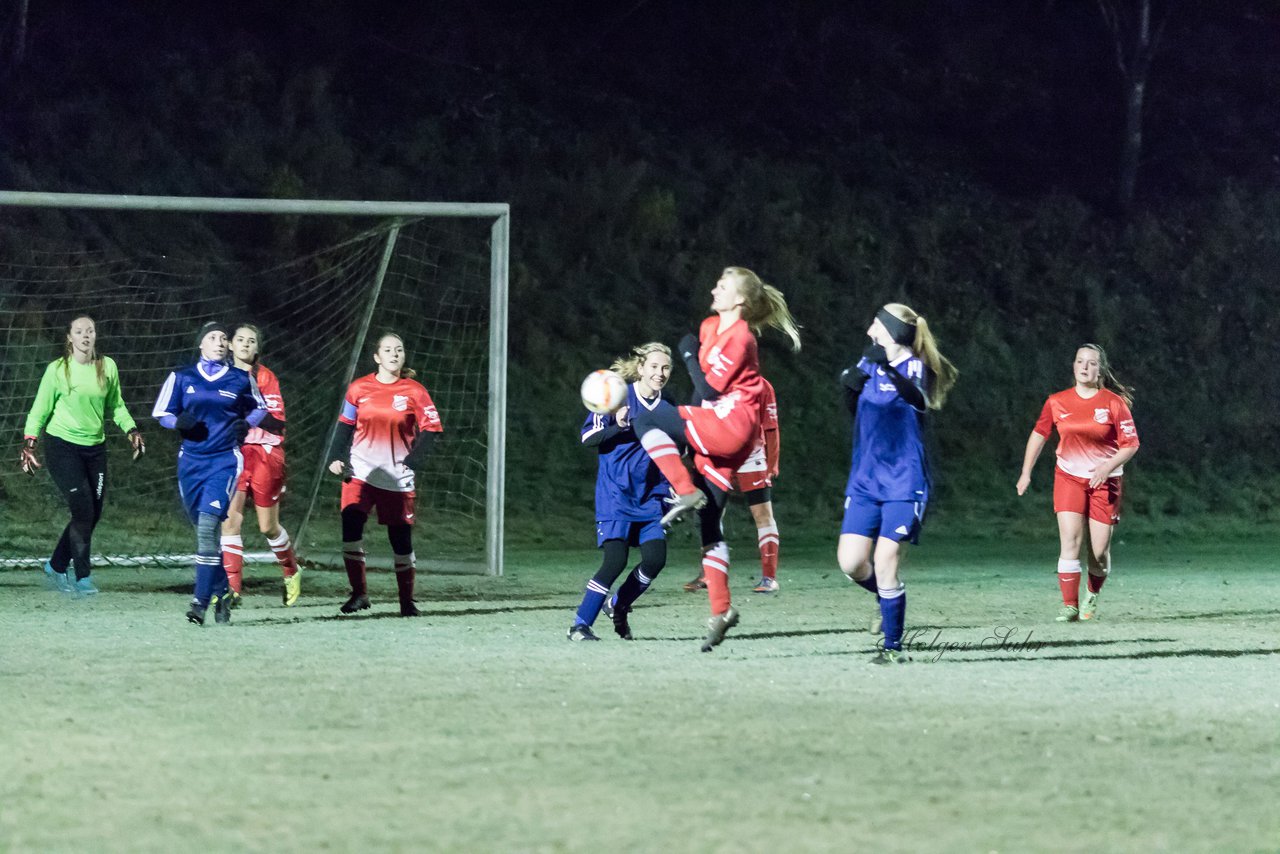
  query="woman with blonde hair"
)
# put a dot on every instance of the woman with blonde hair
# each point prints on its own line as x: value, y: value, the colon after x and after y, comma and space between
x: 77, y: 393
x: 1096, y: 437
x: 629, y: 494
x: 900, y: 377
x: 722, y: 425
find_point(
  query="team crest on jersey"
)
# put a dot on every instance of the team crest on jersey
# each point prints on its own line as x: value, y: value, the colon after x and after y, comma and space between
x: 1101, y: 415
x: 400, y: 403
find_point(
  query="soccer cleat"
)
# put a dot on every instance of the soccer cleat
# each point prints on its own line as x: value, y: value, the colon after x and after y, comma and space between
x: 292, y: 589
x: 49, y: 580
x: 766, y: 585
x: 409, y: 609
x: 891, y: 656
x: 621, y: 626
x: 699, y: 583
x: 1089, y: 607
x: 84, y: 586
x: 1067, y: 614
x: 609, y: 605
x: 717, y: 627
x: 581, y: 632
x: 681, y: 504
x: 195, y: 614
x: 222, y: 608
x: 63, y: 584
x: 234, y: 598
x: 357, y: 602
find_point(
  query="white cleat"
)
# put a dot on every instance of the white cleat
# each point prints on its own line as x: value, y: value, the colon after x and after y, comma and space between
x: 682, y: 504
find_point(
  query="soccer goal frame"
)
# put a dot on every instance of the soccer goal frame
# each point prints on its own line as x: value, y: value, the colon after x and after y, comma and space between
x: 395, y: 211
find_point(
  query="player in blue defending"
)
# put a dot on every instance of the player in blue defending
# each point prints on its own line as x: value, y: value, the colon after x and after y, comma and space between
x: 212, y: 404
x: 629, y: 495
x: 900, y: 376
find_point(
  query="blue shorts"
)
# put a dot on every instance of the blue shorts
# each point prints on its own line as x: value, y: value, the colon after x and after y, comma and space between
x: 633, y: 533
x: 893, y: 520
x: 206, y: 484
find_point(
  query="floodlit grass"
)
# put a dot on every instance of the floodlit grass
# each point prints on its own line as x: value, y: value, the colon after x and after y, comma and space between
x: 479, y: 727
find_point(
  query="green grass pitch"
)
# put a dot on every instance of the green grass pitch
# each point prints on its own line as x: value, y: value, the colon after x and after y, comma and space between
x: 479, y: 727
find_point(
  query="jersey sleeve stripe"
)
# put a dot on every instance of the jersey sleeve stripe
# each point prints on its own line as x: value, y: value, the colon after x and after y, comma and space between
x: 165, y: 403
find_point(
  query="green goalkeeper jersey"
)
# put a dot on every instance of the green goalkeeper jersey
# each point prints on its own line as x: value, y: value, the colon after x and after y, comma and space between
x: 73, y: 408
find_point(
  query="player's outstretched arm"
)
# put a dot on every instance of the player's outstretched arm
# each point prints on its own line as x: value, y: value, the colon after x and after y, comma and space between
x: 702, y: 390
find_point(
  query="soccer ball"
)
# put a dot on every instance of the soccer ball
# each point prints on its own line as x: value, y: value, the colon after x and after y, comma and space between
x: 604, y: 392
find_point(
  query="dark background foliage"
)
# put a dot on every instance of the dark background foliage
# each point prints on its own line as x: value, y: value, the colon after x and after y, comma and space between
x: 958, y: 156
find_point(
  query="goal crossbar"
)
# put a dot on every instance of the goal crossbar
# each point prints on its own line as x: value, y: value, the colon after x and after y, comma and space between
x: 499, y: 242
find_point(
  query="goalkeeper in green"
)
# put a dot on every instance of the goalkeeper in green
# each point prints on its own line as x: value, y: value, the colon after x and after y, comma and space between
x: 77, y: 393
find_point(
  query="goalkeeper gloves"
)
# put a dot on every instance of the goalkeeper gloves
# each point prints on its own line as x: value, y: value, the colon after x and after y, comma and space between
x: 135, y: 441
x: 28, y: 457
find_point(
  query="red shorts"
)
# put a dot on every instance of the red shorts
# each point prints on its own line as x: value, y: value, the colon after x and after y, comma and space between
x: 722, y: 437
x: 754, y: 473
x: 1072, y: 494
x: 263, y: 474
x: 394, y: 508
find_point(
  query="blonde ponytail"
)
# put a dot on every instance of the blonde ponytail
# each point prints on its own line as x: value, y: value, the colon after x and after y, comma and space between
x: 764, y: 305
x: 926, y: 347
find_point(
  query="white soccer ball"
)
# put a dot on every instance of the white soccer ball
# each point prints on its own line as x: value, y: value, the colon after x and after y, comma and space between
x: 604, y: 392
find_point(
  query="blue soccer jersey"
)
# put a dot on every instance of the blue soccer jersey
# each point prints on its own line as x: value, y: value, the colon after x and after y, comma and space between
x: 217, y: 400
x: 629, y: 486
x: 889, y: 460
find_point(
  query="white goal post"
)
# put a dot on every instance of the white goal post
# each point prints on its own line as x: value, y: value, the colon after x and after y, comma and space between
x: 411, y: 265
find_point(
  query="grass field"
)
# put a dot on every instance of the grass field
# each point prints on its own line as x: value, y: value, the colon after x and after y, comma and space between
x: 480, y: 728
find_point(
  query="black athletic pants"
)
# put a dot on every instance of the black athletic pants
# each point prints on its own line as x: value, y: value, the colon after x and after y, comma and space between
x: 80, y: 473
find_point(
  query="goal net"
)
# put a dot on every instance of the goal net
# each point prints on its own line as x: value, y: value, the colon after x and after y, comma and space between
x: 321, y: 280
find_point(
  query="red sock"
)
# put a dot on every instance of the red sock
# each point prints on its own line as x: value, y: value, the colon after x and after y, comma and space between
x: 233, y: 560
x: 1095, y: 582
x: 1069, y: 582
x: 405, y: 575
x: 283, y: 550
x: 769, y: 545
x: 715, y: 569
x: 666, y: 456
x: 353, y: 560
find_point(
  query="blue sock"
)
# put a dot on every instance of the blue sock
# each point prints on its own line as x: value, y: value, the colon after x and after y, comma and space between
x: 893, y: 610
x: 633, y: 588
x: 592, y: 602
x: 204, y: 584
x: 869, y: 583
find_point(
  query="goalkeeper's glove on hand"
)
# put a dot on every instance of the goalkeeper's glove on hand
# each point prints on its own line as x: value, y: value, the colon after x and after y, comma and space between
x: 135, y: 441
x: 688, y: 347
x: 28, y: 457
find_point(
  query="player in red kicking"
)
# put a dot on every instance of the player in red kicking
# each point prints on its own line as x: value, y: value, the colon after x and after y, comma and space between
x: 755, y: 481
x: 262, y: 477
x: 386, y: 430
x: 1096, y: 437
x: 724, y: 364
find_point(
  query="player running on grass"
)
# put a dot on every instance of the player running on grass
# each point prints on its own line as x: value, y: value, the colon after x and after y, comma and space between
x: 213, y: 405
x: 900, y: 376
x: 629, y: 494
x: 77, y: 393
x: 1096, y: 437
x: 387, y: 427
x: 755, y: 481
x: 262, y: 478
x: 724, y: 364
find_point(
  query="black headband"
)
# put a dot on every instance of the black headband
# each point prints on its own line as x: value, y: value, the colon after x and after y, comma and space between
x: 211, y: 326
x: 899, y: 330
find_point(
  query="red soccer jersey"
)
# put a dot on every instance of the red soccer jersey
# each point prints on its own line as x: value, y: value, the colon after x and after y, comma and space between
x: 1090, y: 431
x: 269, y: 387
x: 769, y: 426
x: 387, y: 417
x: 731, y: 361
